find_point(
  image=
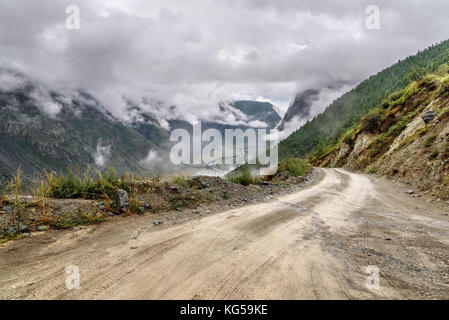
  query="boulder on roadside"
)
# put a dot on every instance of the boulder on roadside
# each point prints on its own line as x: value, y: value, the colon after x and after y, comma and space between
x: 122, y: 200
x: 428, y: 116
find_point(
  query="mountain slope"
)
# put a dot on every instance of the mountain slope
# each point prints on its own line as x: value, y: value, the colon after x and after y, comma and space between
x: 320, y: 134
x: 53, y: 132
x: 43, y: 129
x: 407, y: 137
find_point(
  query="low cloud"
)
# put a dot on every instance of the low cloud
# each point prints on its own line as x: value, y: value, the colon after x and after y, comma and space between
x: 45, y: 102
x: 318, y: 102
x: 10, y: 81
x: 152, y: 158
x: 291, y: 126
x: 196, y: 54
x: 102, y: 154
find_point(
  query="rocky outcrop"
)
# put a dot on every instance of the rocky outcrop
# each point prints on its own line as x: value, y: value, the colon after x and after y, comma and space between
x: 411, y: 143
x: 356, y: 156
x: 428, y: 116
x: 122, y: 200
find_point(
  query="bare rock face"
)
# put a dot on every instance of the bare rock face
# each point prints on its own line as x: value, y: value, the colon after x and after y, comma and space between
x: 122, y: 200
x: 342, y: 153
x: 428, y: 116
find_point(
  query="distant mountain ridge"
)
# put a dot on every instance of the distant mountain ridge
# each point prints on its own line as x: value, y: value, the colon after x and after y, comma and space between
x: 79, y: 135
x: 42, y: 129
x: 258, y: 111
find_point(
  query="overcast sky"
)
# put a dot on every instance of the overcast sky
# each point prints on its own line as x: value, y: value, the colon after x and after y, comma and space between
x: 195, y: 53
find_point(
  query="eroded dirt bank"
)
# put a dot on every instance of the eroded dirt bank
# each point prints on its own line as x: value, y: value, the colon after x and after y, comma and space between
x: 313, y: 244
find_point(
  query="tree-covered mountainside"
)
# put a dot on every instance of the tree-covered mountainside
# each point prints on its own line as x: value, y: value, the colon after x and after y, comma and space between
x: 406, y: 137
x: 323, y: 132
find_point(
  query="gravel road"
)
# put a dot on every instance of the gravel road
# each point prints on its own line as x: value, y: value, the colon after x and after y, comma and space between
x: 313, y: 244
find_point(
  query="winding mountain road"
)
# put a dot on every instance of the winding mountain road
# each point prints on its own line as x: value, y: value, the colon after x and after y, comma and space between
x: 314, y: 244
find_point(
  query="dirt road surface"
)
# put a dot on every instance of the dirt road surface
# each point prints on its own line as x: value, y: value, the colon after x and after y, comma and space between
x: 313, y: 244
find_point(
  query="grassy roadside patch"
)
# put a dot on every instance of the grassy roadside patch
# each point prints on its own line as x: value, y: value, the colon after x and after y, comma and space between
x: 297, y: 167
x: 245, y: 178
x: 294, y: 166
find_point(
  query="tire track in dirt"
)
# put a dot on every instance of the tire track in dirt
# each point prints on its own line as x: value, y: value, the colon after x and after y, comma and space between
x: 314, y: 244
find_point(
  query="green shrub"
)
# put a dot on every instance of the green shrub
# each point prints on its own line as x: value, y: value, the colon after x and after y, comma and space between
x: 245, y: 178
x: 297, y: 167
x: 373, y: 169
x: 3, y: 196
x: 181, y: 181
x: 429, y: 81
x: 349, y: 141
x: 15, y: 185
x: 91, y: 185
x: 445, y: 153
x: 68, y: 221
x: 395, y: 95
x: 371, y: 123
x: 396, y: 129
x: 410, y: 90
x: 385, y: 104
x: 379, y: 145
x: 443, y: 195
x: 444, y: 86
x: 434, y: 155
x: 179, y: 200
x: 430, y: 141
x: 422, y: 132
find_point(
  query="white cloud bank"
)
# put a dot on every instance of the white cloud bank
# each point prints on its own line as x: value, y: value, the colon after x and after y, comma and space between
x: 194, y: 54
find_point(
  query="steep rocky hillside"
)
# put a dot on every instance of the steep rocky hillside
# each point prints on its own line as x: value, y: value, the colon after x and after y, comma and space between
x: 320, y: 134
x: 406, y: 137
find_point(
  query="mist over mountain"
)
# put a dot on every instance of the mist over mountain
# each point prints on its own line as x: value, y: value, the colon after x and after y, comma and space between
x: 191, y: 57
x: 47, y: 130
x: 300, y: 108
x: 307, y: 105
x: 44, y: 129
x: 146, y: 67
x: 257, y: 114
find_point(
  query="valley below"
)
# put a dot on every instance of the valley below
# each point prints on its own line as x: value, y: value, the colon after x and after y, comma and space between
x: 313, y: 243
